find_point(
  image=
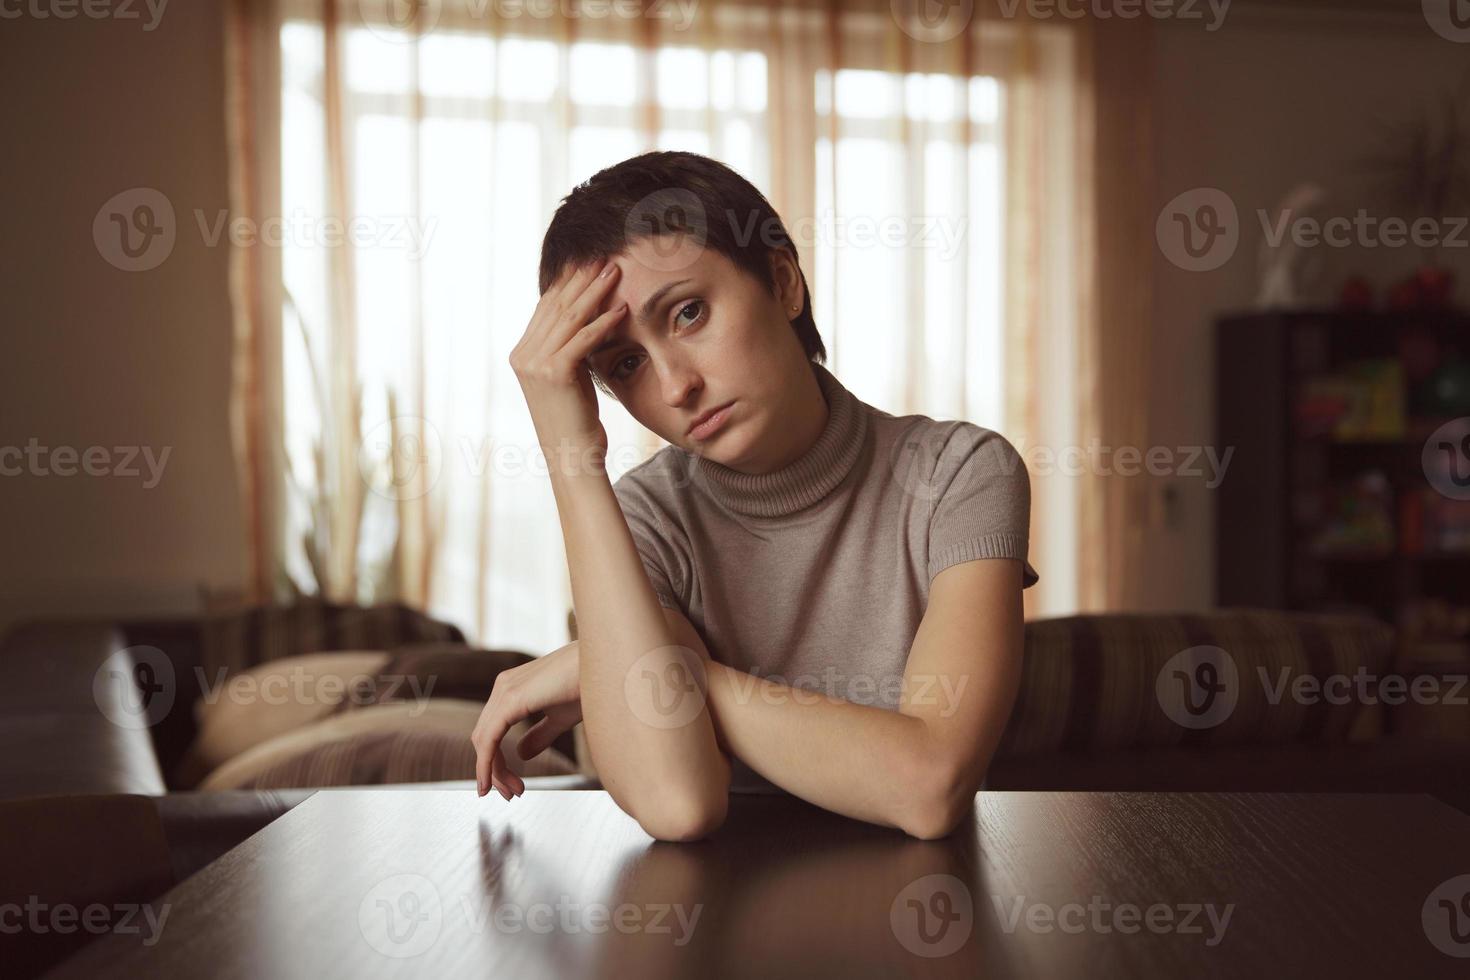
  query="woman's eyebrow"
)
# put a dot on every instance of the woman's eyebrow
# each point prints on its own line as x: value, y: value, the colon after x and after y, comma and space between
x: 645, y: 313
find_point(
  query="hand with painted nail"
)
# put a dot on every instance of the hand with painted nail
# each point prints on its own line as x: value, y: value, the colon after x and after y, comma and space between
x: 548, y: 687
x: 550, y: 361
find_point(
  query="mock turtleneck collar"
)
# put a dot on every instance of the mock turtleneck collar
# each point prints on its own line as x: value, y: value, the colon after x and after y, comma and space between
x: 808, y: 479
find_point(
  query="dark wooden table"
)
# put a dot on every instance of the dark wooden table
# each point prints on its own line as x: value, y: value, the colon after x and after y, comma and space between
x: 361, y: 883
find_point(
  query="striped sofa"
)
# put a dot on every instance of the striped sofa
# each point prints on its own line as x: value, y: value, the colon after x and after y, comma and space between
x: 1105, y: 705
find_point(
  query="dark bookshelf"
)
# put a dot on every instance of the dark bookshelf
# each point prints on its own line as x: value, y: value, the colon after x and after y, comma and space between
x: 1279, y: 541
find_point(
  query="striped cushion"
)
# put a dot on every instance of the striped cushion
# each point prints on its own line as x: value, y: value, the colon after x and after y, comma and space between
x: 233, y: 723
x: 239, y: 639
x: 397, y: 743
x: 1092, y: 683
x: 440, y: 670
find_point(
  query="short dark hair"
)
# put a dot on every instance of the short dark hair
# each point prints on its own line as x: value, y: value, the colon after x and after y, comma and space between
x: 673, y: 191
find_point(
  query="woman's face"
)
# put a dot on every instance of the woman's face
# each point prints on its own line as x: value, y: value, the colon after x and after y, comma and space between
x: 701, y: 334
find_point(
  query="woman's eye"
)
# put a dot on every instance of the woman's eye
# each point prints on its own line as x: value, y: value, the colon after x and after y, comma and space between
x: 697, y: 305
x: 618, y: 371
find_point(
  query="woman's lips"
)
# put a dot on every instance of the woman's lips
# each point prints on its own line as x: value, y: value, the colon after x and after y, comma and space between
x: 711, y: 425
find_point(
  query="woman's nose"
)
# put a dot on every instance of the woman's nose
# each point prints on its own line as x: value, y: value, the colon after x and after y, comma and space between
x: 679, y: 380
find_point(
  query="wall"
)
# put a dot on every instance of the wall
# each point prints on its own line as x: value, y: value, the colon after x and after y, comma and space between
x: 1254, y: 109
x: 95, y: 356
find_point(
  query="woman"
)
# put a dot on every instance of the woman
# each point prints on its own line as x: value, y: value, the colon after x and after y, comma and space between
x: 801, y: 592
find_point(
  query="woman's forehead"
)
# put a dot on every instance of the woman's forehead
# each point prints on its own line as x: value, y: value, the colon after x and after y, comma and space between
x: 652, y: 261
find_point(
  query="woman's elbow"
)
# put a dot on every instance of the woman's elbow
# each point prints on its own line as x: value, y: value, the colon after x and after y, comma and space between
x: 685, y: 819
x: 938, y: 805
x: 932, y: 822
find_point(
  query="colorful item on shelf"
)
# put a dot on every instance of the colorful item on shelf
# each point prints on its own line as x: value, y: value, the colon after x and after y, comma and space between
x: 1322, y: 402
x: 1430, y: 288
x: 1446, y: 524
x: 1358, y: 518
x: 1433, y: 524
x: 1365, y: 401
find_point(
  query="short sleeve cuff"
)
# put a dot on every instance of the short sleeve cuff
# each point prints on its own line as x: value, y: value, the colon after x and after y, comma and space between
x: 1000, y: 545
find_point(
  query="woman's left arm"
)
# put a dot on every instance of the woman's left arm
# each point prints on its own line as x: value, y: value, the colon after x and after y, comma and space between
x: 916, y: 768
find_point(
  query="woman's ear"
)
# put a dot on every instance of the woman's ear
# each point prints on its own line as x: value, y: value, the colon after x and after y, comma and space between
x: 786, y: 277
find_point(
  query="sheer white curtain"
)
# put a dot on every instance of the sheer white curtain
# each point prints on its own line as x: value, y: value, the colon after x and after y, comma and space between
x: 415, y: 162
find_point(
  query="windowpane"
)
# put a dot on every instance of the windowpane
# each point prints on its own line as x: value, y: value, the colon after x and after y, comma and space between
x: 683, y: 78
x: 375, y: 64
x: 603, y: 74
x: 871, y: 243
x: 527, y: 69
x: 456, y: 65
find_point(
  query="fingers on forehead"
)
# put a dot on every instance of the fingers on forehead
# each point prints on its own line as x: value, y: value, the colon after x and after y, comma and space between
x: 585, y: 269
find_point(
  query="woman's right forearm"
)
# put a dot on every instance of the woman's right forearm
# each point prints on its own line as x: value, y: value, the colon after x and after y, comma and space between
x: 671, y: 778
x: 643, y: 707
